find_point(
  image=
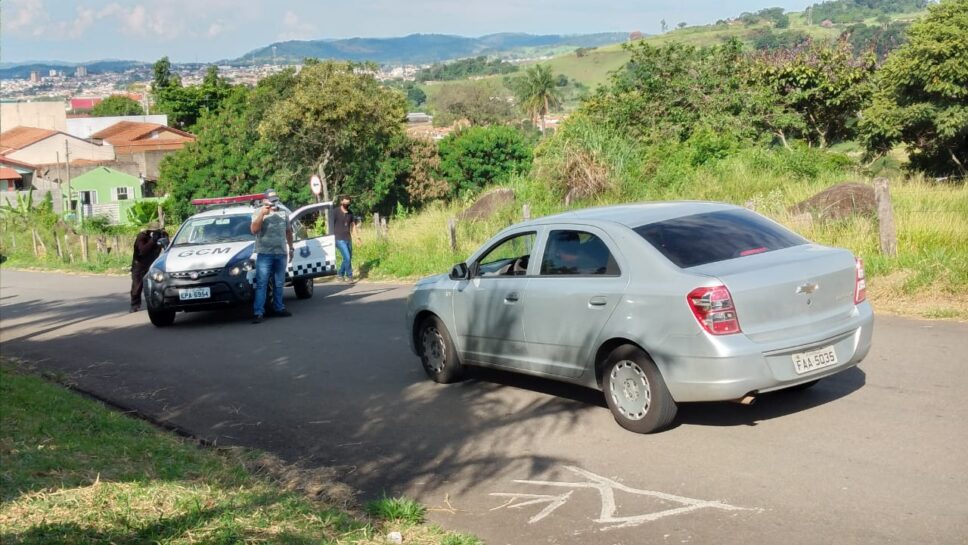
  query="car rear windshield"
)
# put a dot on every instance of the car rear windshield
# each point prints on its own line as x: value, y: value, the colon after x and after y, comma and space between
x: 699, y: 239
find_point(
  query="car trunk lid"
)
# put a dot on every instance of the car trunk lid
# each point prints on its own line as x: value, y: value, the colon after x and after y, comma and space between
x: 790, y: 292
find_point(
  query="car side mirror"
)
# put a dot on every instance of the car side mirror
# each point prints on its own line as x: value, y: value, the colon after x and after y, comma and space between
x: 460, y: 272
x: 163, y: 242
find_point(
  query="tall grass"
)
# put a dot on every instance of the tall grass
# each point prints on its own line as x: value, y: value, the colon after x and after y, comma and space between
x: 928, y: 277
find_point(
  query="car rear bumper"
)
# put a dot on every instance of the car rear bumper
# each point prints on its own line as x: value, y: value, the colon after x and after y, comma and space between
x: 748, y: 369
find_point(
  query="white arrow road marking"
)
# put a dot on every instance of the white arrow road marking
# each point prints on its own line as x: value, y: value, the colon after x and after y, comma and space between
x: 554, y: 502
x: 606, y: 489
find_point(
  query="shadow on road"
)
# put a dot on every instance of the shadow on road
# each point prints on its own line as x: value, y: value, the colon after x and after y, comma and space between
x: 773, y: 404
x: 318, y: 389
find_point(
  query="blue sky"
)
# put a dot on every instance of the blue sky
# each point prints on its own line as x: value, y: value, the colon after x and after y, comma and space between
x: 209, y: 30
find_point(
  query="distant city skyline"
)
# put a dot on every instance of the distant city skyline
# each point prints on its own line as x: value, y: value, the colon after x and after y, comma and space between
x: 211, y: 30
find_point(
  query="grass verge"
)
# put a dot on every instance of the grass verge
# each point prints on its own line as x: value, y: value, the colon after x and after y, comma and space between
x: 74, y: 471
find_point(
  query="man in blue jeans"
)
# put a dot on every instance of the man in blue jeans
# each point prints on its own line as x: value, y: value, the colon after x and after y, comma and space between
x: 273, y: 246
x: 343, y: 227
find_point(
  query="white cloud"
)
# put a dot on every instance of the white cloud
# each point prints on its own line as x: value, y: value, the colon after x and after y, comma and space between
x: 295, y: 27
x: 215, y: 29
x: 24, y: 17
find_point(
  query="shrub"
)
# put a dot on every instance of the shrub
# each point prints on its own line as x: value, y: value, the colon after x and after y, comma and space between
x: 476, y: 157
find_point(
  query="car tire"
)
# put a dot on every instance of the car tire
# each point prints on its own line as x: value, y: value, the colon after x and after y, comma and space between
x: 161, y: 318
x: 437, y: 353
x: 303, y: 288
x: 635, y: 391
x: 803, y: 386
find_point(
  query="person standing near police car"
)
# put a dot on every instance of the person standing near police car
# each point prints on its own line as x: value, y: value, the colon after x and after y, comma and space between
x: 273, y: 246
x: 147, y: 247
x: 344, y: 226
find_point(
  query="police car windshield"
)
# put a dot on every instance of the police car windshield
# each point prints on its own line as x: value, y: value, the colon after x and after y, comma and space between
x: 213, y: 230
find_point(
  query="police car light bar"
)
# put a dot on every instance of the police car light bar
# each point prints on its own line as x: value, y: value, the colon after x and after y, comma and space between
x: 228, y: 200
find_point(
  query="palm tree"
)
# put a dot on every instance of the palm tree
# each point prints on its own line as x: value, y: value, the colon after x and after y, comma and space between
x: 537, y: 93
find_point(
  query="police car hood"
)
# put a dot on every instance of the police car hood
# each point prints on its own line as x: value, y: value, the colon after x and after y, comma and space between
x: 206, y: 256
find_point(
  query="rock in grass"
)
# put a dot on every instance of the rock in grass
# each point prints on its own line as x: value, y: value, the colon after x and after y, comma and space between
x: 838, y: 202
x: 487, y: 204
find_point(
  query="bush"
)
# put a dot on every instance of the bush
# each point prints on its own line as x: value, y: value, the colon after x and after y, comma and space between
x: 477, y: 157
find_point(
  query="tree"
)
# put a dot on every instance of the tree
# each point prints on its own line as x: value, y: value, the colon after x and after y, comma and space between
x: 664, y: 26
x: 416, y: 96
x: 341, y: 123
x: 823, y: 84
x: 228, y: 156
x: 116, y: 105
x: 664, y: 93
x: 476, y: 157
x: 184, y: 105
x: 537, y: 92
x: 922, y: 93
x: 479, y: 102
x: 682, y: 24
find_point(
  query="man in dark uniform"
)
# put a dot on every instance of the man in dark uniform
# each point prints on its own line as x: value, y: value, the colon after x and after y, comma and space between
x: 146, y: 250
x: 343, y: 228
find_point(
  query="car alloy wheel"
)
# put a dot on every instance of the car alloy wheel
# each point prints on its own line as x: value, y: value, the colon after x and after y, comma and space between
x: 631, y: 392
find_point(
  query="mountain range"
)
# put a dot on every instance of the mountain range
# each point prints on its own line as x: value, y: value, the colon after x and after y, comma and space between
x: 412, y: 49
x: 422, y: 48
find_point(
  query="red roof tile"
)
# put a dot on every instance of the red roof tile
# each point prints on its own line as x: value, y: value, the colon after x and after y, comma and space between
x: 7, y: 173
x: 21, y: 137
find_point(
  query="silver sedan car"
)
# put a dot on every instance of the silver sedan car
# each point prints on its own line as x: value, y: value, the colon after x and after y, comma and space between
x: 654, y: 304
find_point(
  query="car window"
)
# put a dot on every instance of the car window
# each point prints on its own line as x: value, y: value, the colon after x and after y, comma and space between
x: 577, y: 253
x: 699, y: 239
x: 508, y: 258
x: 215, y: 229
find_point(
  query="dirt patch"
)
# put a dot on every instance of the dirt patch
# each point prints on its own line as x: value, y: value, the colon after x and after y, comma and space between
x: 887, y: 295
x: 487, y: 204
x: 839, y: 201
x: 321, y: 484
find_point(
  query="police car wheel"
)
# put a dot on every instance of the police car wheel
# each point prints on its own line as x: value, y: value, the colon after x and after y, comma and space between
x: 303, y: 288
x: 437, y: 352
x: 161, y: 318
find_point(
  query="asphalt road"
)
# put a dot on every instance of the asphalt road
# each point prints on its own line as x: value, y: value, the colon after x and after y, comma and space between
x: 874, y: 455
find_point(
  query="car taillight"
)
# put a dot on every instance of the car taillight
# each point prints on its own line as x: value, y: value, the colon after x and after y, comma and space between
x: 713, y: 307
x: 860, y: 285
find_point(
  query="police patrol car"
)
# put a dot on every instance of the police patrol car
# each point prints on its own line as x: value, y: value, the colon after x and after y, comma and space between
x: 210, y: 263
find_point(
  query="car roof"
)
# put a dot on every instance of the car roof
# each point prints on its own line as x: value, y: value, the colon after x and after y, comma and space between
x: 635, y: 215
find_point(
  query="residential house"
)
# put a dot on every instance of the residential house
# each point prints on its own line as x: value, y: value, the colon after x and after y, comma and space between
x: 84, y: 127
x: 107, y: 192
x: 49, y: 147
x: 144, y: 144
x: 18, y: 178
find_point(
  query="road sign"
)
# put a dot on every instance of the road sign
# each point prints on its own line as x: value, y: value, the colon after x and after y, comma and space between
x: 316, y: 185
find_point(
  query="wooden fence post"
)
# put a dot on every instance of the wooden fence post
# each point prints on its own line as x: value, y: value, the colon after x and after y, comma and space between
x: 885, y: 217
x: 526, y: 212
x: 376, y: 225
x: 161, y: 217
x: 84, y: 250
x: 60, y: 251
x: 67, y: 244
x: 383, y: 227
x: 33, y: 239
x: 117, y: 243
x: 452, y: 229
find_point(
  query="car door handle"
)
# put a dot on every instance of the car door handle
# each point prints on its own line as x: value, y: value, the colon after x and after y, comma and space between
x: 511, y: 297
x: 598, y: 301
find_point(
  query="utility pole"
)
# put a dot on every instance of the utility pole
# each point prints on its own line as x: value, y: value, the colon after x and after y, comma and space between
x: 67, y: 164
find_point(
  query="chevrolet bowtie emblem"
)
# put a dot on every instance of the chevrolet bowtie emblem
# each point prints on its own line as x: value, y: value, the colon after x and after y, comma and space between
x: 808, y: 288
